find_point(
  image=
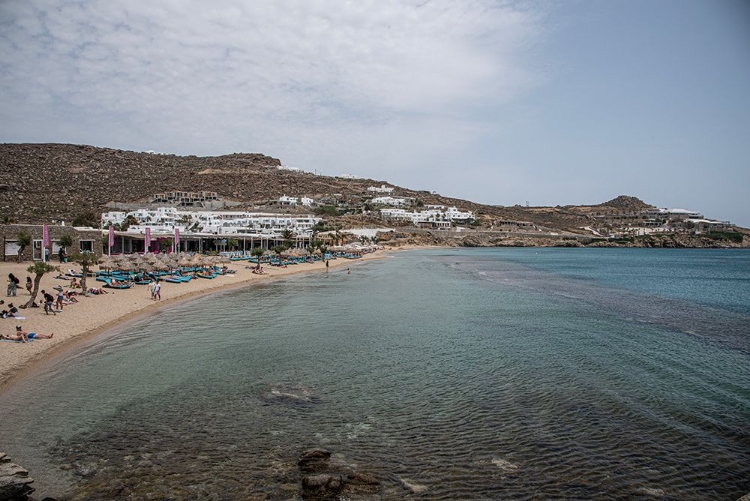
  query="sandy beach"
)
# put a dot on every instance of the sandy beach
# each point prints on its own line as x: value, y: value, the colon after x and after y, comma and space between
x: 96, y: 314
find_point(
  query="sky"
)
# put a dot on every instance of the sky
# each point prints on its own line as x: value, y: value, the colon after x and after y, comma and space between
x: 499, y: 102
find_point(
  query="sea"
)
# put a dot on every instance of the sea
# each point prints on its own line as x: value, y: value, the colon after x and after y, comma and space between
x: 445, y: 374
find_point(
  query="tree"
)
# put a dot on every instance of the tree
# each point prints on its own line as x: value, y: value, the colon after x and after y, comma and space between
x: 278, y: 249
x: 24, y: 240
x: 288, y: 236
x: 65, y: 242
x: 130, y: 220
x: 39, y: 268
x: 165, y: 244
x: 86, y: 260
x: 233, y: 243
x: 86, y: 219
x: 257, y: 252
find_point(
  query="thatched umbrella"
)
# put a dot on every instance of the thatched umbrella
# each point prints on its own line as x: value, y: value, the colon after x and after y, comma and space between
x: 198, y: 260
x: 106, y: 263
x: 184, y: 260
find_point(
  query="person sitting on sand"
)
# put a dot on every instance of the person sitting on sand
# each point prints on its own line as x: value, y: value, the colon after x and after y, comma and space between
x: 74, y: 283
x: 24, y: 336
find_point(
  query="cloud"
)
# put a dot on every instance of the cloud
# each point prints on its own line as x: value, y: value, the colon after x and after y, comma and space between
x: 311, y: 79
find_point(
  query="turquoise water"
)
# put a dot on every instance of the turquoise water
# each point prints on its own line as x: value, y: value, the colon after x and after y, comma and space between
x: 447, y: 374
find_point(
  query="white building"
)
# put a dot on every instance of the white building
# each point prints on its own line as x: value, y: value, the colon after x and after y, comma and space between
x: 383, y: 189
x: 431, y: 217
x: 166, y: 219
x: 395, y: 202
x: 285, y: 200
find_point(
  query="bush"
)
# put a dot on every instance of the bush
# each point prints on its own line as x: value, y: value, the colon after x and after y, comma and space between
x: 732, y: 236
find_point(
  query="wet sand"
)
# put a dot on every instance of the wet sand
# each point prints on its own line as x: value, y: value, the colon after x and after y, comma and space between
x: 95, y: 314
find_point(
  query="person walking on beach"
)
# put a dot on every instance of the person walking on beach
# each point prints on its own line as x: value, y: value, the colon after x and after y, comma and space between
x: 157, y: 291
x: 49, y: 303
x: 29, y: 284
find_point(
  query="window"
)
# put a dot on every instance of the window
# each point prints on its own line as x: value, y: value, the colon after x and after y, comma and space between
x: 87, y: 246
x: 11, y: 248
x: 36, y: 250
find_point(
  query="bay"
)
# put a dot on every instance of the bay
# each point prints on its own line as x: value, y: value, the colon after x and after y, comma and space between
x: 446, y: 374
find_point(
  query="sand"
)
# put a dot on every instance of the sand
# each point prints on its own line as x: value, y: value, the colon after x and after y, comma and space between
x: 95, y: 314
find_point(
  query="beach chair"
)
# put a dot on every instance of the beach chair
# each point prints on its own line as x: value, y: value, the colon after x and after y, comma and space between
x: 108, y: 283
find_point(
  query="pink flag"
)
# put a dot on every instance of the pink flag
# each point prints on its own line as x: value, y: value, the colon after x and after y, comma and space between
x: 147, y: 243
x: 177, y: 237
x: 111, y: 235
x: 45, y: 236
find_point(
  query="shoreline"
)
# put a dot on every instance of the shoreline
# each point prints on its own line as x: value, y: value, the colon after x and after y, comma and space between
x: 95, y: 315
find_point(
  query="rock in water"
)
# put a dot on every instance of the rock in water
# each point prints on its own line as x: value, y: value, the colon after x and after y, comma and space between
x: 327, y: 479
x: 14, y: 481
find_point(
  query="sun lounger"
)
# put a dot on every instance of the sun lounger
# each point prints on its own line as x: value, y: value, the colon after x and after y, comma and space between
x: 108, y: 283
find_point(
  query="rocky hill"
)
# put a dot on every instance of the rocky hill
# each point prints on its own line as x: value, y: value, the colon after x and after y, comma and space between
x: 59, y: 182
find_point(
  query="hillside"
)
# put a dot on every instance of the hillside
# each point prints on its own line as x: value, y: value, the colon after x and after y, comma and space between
x: 54, y: 182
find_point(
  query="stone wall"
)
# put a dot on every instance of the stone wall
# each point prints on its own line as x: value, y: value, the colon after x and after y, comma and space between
x: 9, y: 234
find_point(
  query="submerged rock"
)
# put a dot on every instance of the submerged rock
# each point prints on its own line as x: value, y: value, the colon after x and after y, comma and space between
x: 325, y: 477
x: 14, y: 481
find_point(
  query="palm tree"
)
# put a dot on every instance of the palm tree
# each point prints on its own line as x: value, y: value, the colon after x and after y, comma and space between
x: 24, y: 240
x: 86, y: 260
x: 39, y: 268
x: 288, y: 236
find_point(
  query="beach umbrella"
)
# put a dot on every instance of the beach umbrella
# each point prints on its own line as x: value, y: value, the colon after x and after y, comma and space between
x: 125, y: 265
x: 184, y: 259
x: 160, y: 265
x: 106, y: 263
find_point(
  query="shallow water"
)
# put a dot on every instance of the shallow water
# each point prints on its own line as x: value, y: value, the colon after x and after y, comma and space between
x: 450, y: 374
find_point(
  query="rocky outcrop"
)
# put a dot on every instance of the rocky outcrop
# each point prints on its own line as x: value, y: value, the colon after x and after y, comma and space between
x: 325, y: 477
x: 626, y: 203
x: 14, y: 481
x: 499, y: 239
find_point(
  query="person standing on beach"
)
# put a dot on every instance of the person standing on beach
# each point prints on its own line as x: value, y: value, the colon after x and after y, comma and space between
x: 326, y: 265
x: 157, y: 291
x: 29, y: 284
x: 60, y: 297
x: 12, y: 284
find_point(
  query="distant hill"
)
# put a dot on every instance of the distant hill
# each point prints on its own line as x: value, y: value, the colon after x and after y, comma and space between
x: 47, y: 182
x: 624, y: 202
